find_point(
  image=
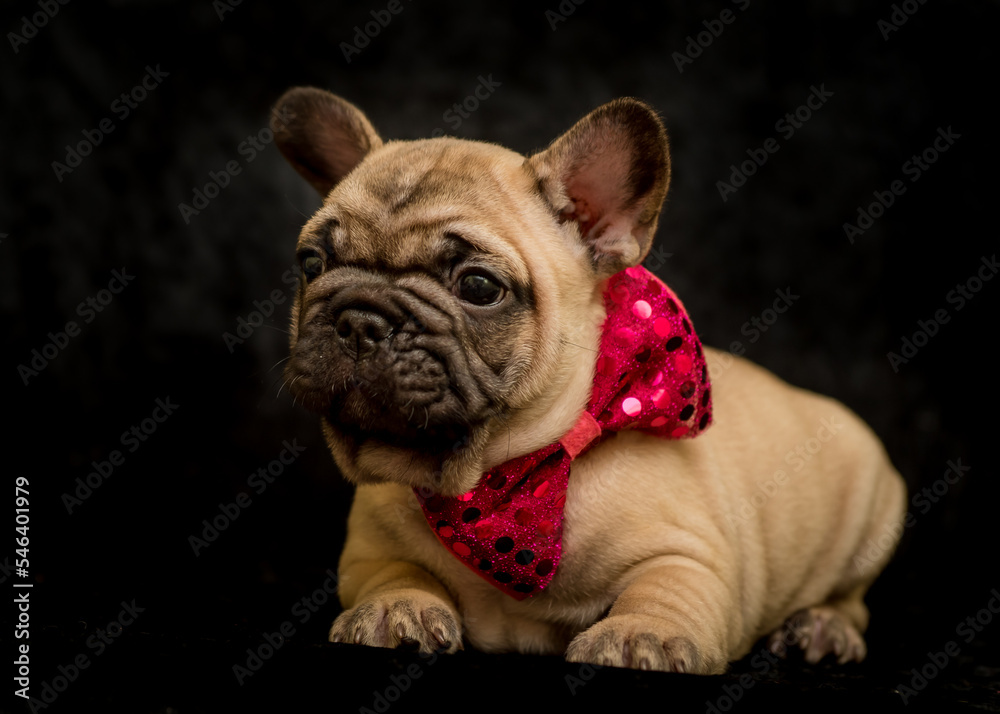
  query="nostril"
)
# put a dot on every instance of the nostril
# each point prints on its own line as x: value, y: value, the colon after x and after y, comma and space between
x: 344, y: 327
x: 375, y: 331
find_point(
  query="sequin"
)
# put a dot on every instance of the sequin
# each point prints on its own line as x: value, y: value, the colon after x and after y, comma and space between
x: 679, y: 432
x: 641, y: 309
x: 465, y: 496
x: 461, y: 548
x: 504, y: 545
x: 544, y: 567
x: 524, y: 557
x: 484, y: 529
x: 686, y: 412
x: 624, y: 334
x: 673, y: 343
x: 660, y: 398
x: 658, y: 421
x: 522, y: 516
x: 542, y: 488
x: 662, y: 327
x: 497, y: 481
x: 653, y: 377
x: 682, y: 363
x: 446, y: 532
x: 631, y: 406
x: 545, y: 528
x: 470, y: 514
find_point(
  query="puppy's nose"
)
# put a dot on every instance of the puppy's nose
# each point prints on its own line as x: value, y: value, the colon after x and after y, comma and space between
x: 360, y: 331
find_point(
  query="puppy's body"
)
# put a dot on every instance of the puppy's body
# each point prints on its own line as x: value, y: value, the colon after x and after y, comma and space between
x: 677, y: 554
x: 637, y: 503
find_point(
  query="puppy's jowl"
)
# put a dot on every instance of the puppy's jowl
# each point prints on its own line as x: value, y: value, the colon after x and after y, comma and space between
x: 544, y: 460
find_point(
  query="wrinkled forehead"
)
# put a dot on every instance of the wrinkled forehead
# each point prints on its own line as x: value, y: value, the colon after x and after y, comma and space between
x: 405, y: 203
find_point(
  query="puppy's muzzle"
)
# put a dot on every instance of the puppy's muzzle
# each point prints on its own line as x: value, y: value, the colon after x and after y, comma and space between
x: 359, y: 332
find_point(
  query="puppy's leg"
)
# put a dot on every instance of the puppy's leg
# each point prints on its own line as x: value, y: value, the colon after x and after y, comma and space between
x: 399, y: 605
x: 837, y: 625
x: 676, y: 615
x: 823, y: 630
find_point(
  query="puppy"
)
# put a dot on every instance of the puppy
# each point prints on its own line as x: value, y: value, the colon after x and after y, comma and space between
x: 449, y: 323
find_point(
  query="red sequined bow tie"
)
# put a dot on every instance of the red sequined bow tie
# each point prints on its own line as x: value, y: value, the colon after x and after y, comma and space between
x: 651, y: 376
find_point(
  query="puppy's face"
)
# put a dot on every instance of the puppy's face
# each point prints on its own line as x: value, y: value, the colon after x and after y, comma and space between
x: 450, y: 299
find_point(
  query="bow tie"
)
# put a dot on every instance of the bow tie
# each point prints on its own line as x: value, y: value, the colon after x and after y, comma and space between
x: 650, y: 376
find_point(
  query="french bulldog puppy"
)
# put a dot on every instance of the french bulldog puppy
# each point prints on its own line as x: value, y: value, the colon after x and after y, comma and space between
x: 447, y: 321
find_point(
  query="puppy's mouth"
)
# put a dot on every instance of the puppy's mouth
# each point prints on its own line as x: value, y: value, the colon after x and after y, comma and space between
x: 400, y: 394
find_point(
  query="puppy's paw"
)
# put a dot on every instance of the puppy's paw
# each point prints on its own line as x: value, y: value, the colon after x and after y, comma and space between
x: 818, y: 632
x: 410, y: 619
x: 637, y: 642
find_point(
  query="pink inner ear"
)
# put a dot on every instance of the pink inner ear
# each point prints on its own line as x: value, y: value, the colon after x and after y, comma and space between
x: 597, y: 189
x: 582, y: 213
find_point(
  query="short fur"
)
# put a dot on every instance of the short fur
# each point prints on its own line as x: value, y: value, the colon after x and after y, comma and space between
x: 661, y: 568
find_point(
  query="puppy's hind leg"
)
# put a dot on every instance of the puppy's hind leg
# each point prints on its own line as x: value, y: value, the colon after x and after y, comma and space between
x: 824, y: 630
x: 835, y: 627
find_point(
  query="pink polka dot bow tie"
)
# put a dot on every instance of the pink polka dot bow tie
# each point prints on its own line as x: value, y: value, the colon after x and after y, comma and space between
x: 650, y: 375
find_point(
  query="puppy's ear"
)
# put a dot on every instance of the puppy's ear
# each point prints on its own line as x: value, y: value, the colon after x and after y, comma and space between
x: 321, y: 135
x: 609, y: 174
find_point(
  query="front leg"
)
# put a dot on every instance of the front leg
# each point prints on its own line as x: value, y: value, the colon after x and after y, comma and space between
x: 675, y: 615
x: 398, y: 605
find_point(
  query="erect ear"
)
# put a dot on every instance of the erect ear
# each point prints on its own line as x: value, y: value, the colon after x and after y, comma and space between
x: 609, y: 174
x: 321, y: 135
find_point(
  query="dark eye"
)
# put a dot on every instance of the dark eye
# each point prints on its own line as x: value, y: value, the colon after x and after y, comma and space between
x: 312, y: 265
x: 479, y: 289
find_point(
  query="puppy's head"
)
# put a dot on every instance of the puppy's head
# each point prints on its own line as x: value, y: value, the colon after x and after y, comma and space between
x: 450, y: 303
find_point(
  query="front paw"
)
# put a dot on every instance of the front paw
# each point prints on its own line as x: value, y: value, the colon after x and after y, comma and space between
x: 408, y: 618
x: 638, y: 642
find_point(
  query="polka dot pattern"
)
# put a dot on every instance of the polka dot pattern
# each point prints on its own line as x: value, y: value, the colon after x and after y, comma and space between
x: 650, y: 375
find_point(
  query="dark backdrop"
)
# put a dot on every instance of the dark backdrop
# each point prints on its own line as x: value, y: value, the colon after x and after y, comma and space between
x: 210, y: 79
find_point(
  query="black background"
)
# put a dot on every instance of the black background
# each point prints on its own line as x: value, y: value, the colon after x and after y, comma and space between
x: 162, y: 337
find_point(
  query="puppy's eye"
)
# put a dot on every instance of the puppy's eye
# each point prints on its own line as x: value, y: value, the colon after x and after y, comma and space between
x: 479, y: 289
x: 312, y: 265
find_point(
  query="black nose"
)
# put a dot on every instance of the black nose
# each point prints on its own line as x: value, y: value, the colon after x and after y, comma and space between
x: 360, y: 331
